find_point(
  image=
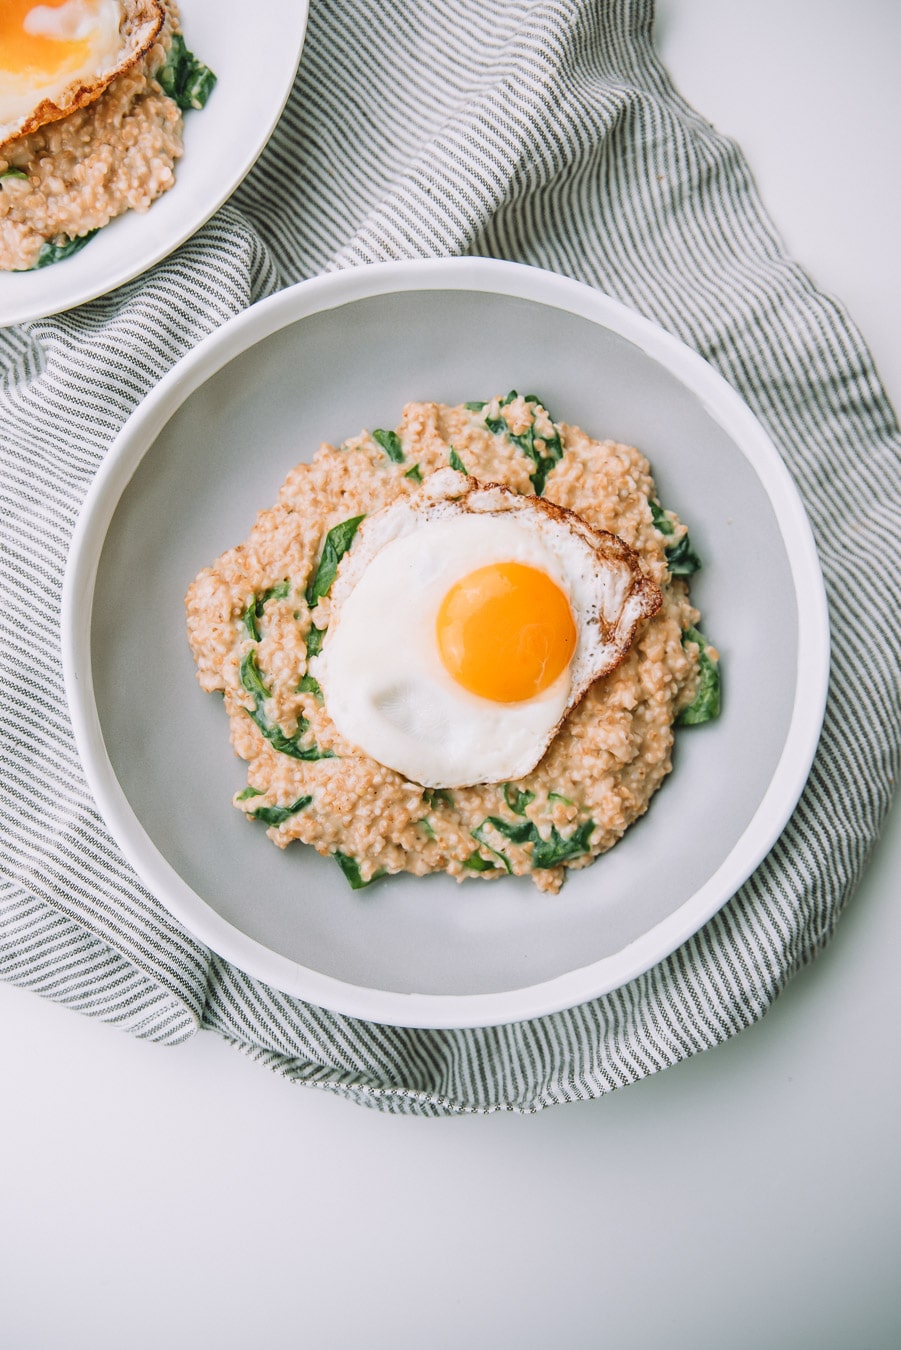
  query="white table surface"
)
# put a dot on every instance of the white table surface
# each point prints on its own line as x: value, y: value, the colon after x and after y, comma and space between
x: 166, y: 1198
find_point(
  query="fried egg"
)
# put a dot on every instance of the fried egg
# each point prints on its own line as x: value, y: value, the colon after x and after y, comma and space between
x: 59, y: 55
x: 466, y: 622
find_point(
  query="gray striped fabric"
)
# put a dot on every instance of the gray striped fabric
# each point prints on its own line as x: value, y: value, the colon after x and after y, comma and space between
x: 545, y: 132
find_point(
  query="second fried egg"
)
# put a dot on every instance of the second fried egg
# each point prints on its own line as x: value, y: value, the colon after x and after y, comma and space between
x: 466, y: 622
x: 58, y: 55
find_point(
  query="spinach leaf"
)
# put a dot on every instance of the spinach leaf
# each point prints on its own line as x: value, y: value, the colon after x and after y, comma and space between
x: 517, y: 799
x: 457, y: 463
x: 517, y: 834
x: 13, y: 173
x: 478, y: 833
x: 545, y: 852
x: 251, y: 678
x: 254, y: 611
x: 310, y: 685
x: 253, y: 682
x: 426, y: 827
x: 660, y: 519
x: 277, y: 815
x: 432, y: 795
x: 556, y: 850
x: 390, y: 443
x: 476, y: 863
x: 289, y: 745
x: 559, y: 797
x: 314, y: 640
x: 337, y: 542
x: 681, y: 558
x: 248, y: 792
x: 51, y: 253
x: 706, y: 704
x: 351, y: 869
x: 415, y: 474
x: 544, y: 453
x: 475, y: 407
x: 185, y: 79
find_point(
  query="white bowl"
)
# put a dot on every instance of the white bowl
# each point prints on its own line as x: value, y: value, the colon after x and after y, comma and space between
x: 211, y: 445
x: 254, y: 76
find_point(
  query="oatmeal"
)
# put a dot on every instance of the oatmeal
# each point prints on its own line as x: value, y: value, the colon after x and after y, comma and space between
x: 68, y: 176
x: 264, y: 618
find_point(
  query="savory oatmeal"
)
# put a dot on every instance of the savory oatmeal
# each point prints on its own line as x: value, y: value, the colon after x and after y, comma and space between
x: 95, y: 144
x: 310, y: 624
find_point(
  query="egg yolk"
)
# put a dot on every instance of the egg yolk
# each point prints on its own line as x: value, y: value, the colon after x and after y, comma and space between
x: 29, y: 49
x: 505, y: 632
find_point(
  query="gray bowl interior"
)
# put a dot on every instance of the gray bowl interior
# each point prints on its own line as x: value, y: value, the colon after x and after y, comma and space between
x: 223, y: 456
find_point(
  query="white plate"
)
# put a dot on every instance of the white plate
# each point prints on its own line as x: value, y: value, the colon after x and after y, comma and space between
x: 255, y: 70
x: 211, y: 445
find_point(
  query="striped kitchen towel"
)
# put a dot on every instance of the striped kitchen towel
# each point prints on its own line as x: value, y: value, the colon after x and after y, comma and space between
x: 544, y: 131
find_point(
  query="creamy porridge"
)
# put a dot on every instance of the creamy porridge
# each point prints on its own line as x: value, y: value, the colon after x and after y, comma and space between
x: 264, y: 623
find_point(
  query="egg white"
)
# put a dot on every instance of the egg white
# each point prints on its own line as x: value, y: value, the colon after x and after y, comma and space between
x: 385, y: 686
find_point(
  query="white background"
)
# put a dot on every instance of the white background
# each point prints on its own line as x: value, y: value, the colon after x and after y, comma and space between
x: 751, y: 1197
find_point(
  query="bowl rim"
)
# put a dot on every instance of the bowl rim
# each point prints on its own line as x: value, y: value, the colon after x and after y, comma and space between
x: 720, y: 401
